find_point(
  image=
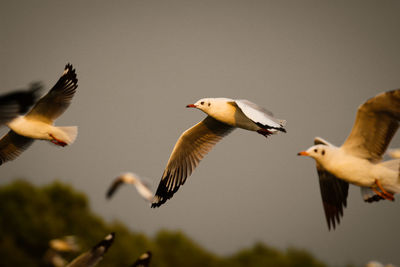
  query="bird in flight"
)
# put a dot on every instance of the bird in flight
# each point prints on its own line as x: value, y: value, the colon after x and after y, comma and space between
x: 133, y: 179
x: 224, y: 115
x: 95, y: 254
x: 359, y: 160
x: 38, y: 122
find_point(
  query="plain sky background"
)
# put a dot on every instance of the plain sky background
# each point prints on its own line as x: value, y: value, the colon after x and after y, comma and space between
x: 140, y: 62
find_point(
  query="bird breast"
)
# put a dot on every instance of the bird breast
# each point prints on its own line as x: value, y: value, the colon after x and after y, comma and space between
x: 30, y: 128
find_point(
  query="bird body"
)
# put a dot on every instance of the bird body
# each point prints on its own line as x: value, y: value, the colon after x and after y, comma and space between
x: 224, y: 115
x: 238, y: 113
x: 37, y: 129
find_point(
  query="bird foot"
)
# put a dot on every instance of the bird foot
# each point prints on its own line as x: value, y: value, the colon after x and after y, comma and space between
x: 264, y: 132
x: 57, y: 142
x: 383, y: 193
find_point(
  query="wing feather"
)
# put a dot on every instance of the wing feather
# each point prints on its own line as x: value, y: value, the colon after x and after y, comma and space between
x: 58, y: 99
x: 12, y: 145
x: 189, y: 150
x: 17, y: 102
x: 334, y: 193
x: 259, y: 115
x: 377, y: 121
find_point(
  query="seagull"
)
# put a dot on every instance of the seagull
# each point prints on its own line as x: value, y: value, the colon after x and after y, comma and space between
x: 38, y: 122
x: 143, y: 260
x: 94, y: 255
x: 359, y: 160
x: 131, y: 178
x: 224, y: 115
x: 17, y: 102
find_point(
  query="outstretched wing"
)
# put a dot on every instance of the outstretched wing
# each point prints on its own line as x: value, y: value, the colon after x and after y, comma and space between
x: 376, y: 123
x: 93, y: 256
x: 189, y: 150
x: 260, y: 115
x: 17, y: 102
x: 12, y: 145
x: 334, y: 193
x: 57, y: 100
x: 114, y: 186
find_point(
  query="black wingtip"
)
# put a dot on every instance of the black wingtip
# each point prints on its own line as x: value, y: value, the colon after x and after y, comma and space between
x: 163, y: 193
x: 106, y: 242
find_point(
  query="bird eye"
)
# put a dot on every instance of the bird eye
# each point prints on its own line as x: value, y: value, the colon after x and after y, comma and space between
x: 202, y: 102
x: 323, y: 152
x: 315, y: 150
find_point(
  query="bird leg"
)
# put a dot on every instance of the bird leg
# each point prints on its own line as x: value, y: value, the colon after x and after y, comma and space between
x: 264, y: 132
x: 57, y: 142
x: 383, y: 193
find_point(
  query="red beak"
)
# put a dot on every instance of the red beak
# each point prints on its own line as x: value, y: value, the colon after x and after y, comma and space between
x: 302, y: 153
x: 191, y: 106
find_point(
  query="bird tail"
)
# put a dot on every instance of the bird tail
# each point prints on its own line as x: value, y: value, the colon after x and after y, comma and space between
x: 393, y: 164
x: 68, y: 134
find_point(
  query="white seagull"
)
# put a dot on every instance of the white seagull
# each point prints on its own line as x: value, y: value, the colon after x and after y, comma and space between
x: 17, y: 102
x: 131, y: 178
x: 359, y: 160
x: 224, y: 115
x: 38, y: 122
x: 94, y: 255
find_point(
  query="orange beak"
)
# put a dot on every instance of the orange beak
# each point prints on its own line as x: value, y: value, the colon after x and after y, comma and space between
x: 191, y: 106
x: 302, y: 153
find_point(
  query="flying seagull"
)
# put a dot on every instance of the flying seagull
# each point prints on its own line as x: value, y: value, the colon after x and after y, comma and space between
x: 94, y: 255
x: 143, y: 260
x: 38, y: 122
x: 131, y: 178
x: 17, y: 102
x: 359, y: 160
x: 224, y: 115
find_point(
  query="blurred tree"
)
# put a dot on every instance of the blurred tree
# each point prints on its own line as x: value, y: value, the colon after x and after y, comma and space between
x: 31, y: 216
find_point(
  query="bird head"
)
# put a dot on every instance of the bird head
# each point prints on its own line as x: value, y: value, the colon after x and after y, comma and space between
x: 317, y: 152
x: 203, y: 104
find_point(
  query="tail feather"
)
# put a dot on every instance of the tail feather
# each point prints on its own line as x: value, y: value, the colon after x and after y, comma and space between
x: 68, y: 134
x: 393, y: 164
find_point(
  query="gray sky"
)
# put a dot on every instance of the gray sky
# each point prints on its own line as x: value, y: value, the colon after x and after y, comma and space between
x: 140, y: 62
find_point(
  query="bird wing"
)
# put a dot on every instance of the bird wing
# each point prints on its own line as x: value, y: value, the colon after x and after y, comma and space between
x: 114, y: 186
x: 144, y: 191
x: 93, y: 256
x: 12, y: 145
x: 376, y: 123
x: 259, y: 115
x: 321, y: 141
x: 334, y: 193
x: 18, y: 102
x: 143, y: 260
x: 189, y: 150
x: 57, y: 100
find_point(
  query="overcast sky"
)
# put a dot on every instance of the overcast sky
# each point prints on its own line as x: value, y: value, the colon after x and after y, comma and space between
x: 139, y: 63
